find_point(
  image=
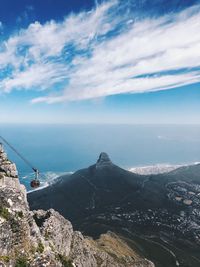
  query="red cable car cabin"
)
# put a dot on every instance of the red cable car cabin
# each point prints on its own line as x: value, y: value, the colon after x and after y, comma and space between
x: 35, y: 183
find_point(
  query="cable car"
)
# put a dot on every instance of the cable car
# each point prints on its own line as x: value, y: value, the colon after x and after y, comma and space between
x: 35, y: 183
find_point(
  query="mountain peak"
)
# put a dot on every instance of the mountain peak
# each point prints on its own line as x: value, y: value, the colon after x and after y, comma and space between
x: 103, y: 160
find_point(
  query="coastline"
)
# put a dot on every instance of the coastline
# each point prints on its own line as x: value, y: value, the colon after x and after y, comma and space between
x: 159, y: 168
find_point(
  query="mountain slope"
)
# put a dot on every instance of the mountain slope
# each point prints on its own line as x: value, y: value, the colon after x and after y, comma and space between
x: 94, y: 188
x: 157, y: 214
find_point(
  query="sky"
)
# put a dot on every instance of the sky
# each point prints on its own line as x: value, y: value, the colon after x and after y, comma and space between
x: 85, y: 61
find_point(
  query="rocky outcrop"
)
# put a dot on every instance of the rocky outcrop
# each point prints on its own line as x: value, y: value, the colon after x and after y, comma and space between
x: 8, y: 171
x: 45, y: 238
x: 21, y: 241
x: 103, y: 161
x: 108, y: 251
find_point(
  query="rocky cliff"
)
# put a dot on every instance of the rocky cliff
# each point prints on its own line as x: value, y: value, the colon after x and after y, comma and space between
x: 45, y: 238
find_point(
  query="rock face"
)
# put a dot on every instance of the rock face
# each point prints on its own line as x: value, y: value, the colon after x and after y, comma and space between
x: 108, y: 251
x: 45, y: 238
x: 8, y: 171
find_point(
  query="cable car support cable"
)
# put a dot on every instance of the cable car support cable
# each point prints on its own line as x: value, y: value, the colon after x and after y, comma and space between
x: 34, y: 183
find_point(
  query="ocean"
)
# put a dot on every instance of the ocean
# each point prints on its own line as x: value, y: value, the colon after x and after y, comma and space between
x: 57, y: 149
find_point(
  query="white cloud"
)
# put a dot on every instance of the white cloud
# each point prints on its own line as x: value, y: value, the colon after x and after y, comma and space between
x: 103, y: 52
x: 40, y: 75
x: 136, y: 85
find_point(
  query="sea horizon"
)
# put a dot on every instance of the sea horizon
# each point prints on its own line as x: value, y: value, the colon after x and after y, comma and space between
x: 58, y: 149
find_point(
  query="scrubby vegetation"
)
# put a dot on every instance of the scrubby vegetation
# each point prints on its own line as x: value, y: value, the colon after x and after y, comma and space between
x: 5, y: 258
x: 64, y: 260
x: 4, y: 213
x: 46, y: 235
x: 22, y: 261
x: 40, y: 248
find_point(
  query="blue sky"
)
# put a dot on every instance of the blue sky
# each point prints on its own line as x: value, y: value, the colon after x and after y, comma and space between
x: 99, y: 61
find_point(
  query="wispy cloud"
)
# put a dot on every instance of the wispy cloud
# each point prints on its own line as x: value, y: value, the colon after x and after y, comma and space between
x: 103, y: 52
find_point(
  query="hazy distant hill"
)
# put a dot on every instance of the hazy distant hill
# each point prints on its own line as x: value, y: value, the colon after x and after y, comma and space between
x: 160, y: 214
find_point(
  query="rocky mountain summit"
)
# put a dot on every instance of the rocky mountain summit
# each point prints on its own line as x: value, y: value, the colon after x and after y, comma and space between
x: 103, y: 161
x: 45, y: 238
